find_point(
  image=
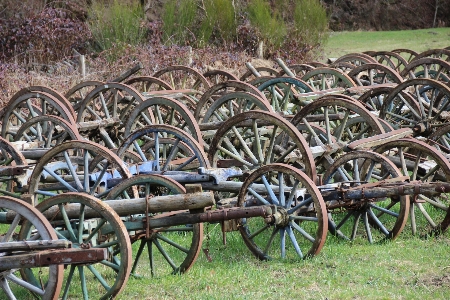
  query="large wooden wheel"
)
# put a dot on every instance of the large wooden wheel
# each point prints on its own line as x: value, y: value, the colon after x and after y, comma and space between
x: 299, y: 226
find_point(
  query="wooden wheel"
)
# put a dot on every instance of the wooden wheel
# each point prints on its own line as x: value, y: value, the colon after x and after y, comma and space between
x: 78, y: 92
x: 218, y: 76
x: 28, y: 105
x: 108, y: 101
x: 162, y: 110
x: 327, y: 78
x: 299, y: 226
x: 263, y: 72
x: 432, y: 101
x: 88, y: 222
x: 375, y: 219
x: 343, y: 119
x: 170, y: 249
x: 76, y: 166
x: 372, y: 74
x: 181, y: 77
x: 51, y: 277
x: 422, y: 162
x: 46, y: 131
x: 407, y: 54
x: 283, y: 93
x: 390, y: 59
x: 255, y: 138
x: 220, y: 89
x: 167, y: 147
x: 426, y: 67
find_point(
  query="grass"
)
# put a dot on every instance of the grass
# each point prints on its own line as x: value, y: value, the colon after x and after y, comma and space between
x: 340, y: 43
x: 408, y: 268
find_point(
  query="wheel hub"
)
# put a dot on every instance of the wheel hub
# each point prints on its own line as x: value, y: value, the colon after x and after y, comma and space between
x: 281, y: 217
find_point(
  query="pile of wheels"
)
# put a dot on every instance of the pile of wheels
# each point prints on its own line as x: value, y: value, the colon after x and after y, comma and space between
x: 354, y: 148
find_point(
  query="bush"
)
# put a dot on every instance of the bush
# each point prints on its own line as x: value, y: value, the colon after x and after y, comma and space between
x: 117, y: 24
x: 310, y: 22
x: 178, y: 19
x: 221, y: 15
x: 271, y: 26
x: 42, y: 37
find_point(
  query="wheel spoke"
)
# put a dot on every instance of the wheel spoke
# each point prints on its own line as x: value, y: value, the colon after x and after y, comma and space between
x: 271, y: 239
x: 294, y: 242
x: 172, y: 243
x: 258, y: 196
x: 302, y: 231
x: 99, y: 277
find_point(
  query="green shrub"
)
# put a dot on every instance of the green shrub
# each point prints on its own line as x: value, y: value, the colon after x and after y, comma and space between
x: 221, y: 13
x: 116, y: 23
x: 310, y: 22
x: 271, y: 26
x: 178, y: 20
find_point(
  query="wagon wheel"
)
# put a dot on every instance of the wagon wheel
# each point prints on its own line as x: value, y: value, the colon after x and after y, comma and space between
x: 376, y: 220
x: 317, y: 64
x: 162, y: 110
x: 181, y: 77
x: 440, y: 139
x: 49, y: 91
x: 443, y: 54
x: 343, y: 66
x: 422, y: 162
x: 220, y: 89
x: 373, y: 98
x: 25, y: 215
x: 46, y: 131
x: 170, y: 249
x: 427, y: 93
x: 298, y: 69
x: 88, y: 222
x: 263, y: 71
x: 75, y: 166
x: 10, y: 156
x: 167, y: 147
x: 386, y: 126
x: 231, y: 104
x: 356, y: 59
x: 78, y: 92
x: 390, y: 59
x: 218, y: 76
x: 252, y: 139
x: 336, y: 116
x: 372, y: 74
x: 111, y: 100
x: 20, y: 109
x: 283, y: 93
x: 299, y: 227
x: 144, y: 84
x: 327, y: 78
x: 427, y: 67
x: 407, y: 54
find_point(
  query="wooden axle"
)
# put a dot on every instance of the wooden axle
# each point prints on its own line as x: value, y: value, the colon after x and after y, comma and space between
x: 52, y: 257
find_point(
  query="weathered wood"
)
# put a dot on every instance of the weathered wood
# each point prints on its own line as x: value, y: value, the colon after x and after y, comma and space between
x: 50, y: 257
x: 380, y: 139
x: 312, y: 118
x: 34, y: 245
x: 180, y: 218
x: 387, y: 190
x: 126, y: 207
x: 128, y: 73
x: 91, y: 125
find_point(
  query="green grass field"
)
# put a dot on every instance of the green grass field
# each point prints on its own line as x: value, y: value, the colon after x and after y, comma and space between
x: 340, y: 43
x: 408, y: 268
